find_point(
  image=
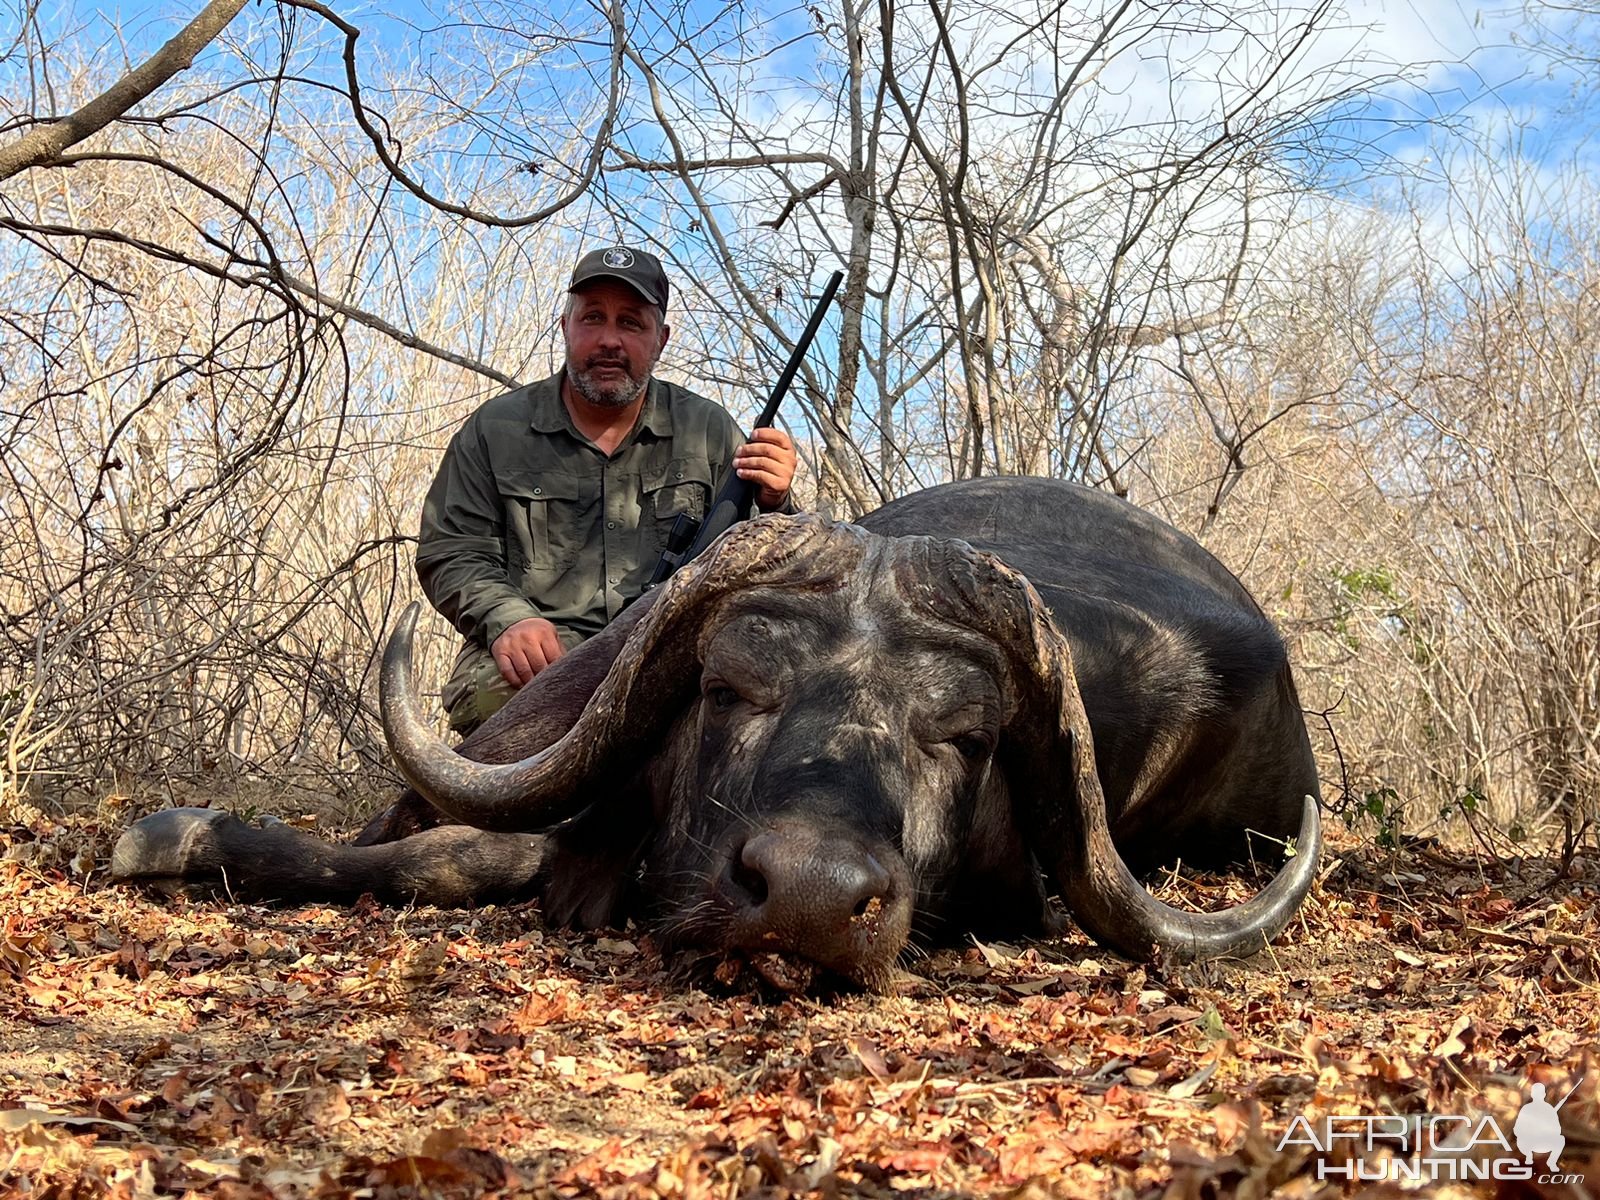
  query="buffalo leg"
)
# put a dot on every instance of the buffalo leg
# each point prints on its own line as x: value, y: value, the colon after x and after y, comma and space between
x: 452, y: 866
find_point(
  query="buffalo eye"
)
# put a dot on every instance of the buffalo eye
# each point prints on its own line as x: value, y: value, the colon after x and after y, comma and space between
x: 721, y: 697
x: 973, y: 747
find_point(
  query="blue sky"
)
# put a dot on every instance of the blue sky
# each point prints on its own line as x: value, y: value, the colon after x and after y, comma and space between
x: 1467, y: 56
x: 1465, y: 72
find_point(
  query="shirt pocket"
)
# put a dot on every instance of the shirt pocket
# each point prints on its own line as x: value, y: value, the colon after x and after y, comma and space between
x: 681, y: 488
x: 544, y: 511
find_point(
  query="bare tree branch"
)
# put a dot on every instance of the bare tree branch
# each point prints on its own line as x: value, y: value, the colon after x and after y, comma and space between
x: 41, y: 146
x: 390, y: 158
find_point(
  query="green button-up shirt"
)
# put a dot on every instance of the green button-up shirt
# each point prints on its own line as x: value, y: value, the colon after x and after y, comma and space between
x: 529, y: 518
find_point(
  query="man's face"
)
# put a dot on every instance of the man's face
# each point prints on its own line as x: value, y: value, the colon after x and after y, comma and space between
x: 614, y: 337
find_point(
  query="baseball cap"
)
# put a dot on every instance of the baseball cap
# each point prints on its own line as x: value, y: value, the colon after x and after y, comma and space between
x: 639, y: 269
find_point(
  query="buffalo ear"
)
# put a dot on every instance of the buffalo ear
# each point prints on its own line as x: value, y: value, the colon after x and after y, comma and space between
x: 1000, y: 888
x: 409, y: 815
x: 587, y: 878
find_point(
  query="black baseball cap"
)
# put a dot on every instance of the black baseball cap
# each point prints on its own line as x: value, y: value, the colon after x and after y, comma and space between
x: 639, y: 269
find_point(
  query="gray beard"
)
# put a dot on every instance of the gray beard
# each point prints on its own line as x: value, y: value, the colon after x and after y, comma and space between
x: 618, y: 396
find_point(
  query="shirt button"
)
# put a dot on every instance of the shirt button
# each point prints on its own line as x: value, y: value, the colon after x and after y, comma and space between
x: 611, y: 524
x: 613, y: 581
x: 680, y: 475
x: 538, y: 491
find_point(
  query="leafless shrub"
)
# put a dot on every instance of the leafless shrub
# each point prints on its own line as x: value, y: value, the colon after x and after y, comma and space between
x: 1404, y: 467
x: 212, y: 444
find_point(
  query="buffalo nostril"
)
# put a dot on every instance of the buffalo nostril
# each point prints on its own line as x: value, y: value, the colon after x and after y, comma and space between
x: 872, y: 883
x: 747, y: 877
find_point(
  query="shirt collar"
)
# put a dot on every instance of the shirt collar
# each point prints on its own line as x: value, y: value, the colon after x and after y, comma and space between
x: 656, y: 415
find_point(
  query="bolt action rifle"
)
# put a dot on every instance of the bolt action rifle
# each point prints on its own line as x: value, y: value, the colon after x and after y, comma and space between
x: 688, y: 535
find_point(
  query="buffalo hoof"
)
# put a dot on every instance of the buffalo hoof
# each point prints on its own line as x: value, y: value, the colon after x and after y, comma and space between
x: 174, y: 844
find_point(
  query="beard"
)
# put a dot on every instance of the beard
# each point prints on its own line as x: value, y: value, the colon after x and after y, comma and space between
x: 618, y: 394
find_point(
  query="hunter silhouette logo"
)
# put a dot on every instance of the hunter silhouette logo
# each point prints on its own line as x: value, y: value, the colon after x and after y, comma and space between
x: 1440, y: 1146
x: 1538, y: 1125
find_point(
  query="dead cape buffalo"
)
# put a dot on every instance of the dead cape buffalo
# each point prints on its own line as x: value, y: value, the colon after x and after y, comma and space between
x: 821, y: 742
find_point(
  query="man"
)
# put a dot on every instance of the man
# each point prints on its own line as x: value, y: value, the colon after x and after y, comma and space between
x: 553, y: 502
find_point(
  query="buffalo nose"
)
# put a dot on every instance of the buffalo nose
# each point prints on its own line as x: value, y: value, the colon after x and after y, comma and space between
x: 798, y: 883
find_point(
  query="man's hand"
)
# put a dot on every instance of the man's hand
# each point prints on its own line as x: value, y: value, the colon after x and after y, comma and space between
x: 767, y: 460
x: 525, y: 649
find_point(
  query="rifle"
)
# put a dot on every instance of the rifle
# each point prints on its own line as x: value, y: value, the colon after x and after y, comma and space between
x: 688, y: 536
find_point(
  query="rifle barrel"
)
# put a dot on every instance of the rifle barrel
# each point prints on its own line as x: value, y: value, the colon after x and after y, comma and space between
x: 797, y: 356
x: 735, y: 494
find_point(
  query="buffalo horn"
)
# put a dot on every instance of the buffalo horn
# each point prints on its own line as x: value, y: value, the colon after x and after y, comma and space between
x: 1049, y: 739
x: 647, y: 686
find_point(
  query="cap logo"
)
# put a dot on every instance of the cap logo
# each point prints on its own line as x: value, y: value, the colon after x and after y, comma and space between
x: 620, y: 257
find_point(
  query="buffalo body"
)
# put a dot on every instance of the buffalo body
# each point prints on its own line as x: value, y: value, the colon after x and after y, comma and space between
x: 821, y: 743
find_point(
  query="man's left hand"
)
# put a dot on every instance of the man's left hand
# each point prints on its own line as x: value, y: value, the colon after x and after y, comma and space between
x: 767, y: 460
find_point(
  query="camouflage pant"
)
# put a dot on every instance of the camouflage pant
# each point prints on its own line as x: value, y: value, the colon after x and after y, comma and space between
x: 476, y: 690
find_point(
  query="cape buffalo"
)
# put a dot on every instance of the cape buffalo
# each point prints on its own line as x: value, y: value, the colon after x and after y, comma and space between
x: 820, y: 742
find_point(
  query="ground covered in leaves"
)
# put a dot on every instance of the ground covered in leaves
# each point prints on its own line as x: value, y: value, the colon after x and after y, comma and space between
x: 178, y: 1048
